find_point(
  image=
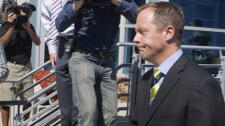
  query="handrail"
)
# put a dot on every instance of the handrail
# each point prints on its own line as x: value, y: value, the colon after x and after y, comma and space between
x: 28, y: 74
x: 133, y: 71
x: 40, y: 113
x: 36, y: 104
x: 182, y: 46
x: 49, y: 115
x: 19, y: 116
x: 41, y: 92
x: 34, y: 84
x: 36, y: 95
x: 123, y: 65
x: 140, y: 65
x: 203, y: 65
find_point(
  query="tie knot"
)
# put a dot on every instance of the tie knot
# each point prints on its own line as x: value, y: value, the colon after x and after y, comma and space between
x: 157, y: 74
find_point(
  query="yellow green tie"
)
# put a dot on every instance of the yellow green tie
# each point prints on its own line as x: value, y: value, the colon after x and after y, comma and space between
x: 157, y: 74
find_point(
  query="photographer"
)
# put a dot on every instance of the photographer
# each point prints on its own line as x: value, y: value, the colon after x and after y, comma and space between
x: 91, y: 65
x: 17, y: 41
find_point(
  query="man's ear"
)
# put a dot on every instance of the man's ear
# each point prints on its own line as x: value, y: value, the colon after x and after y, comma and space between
x: 169, y: 32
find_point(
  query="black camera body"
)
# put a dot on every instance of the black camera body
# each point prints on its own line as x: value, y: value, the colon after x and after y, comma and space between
x: 20, y: 19
x: 9, y: 6
x: 100, y: 2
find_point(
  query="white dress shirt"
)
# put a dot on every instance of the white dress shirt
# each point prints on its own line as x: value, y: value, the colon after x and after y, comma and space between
x: 46, y: 7
x: 168, y: 63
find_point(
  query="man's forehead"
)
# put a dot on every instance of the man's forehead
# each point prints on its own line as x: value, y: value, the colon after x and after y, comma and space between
x: 146, y: 13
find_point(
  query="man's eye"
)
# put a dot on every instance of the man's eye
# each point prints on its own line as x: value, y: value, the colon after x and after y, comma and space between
x: 142, y: 32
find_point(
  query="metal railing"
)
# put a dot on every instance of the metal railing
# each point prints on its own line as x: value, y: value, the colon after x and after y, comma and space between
x: 50, y: 111
x: 18, y: 117
x: 137, y: 67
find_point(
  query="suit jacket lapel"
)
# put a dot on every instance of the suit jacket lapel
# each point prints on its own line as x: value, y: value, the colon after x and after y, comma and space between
x: 145, y: 90
x: 168, y: 83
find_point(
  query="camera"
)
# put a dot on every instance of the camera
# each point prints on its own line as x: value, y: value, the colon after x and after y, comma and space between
x: 20, y: 19
x: 9, y: 6
x: 100, y: 2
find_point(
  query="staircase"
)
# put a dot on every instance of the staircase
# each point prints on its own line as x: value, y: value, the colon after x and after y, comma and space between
x: 48, y: 115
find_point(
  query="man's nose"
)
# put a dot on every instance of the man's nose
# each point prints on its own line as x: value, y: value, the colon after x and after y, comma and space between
x: 135, y: 40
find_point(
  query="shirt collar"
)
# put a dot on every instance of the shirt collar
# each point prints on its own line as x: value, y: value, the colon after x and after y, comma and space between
x: 168, y: 63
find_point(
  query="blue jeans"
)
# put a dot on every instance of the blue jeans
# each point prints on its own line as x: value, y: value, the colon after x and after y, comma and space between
x: 94, y: 88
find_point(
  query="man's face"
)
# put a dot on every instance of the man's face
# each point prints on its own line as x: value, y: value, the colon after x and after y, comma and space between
x: 150, y: 42
x: 28, y: 12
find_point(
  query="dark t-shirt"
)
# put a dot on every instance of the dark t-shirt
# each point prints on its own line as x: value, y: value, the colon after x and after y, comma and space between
x: 20, y: 44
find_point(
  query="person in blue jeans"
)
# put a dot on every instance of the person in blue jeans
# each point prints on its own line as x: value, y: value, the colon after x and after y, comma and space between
x: 91, y: 64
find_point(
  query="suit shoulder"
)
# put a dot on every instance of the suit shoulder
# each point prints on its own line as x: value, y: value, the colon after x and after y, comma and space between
x: 196, y: 69
x: 195, y: 74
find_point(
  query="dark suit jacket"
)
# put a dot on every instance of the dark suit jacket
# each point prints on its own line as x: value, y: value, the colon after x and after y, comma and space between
x: 188, y: 96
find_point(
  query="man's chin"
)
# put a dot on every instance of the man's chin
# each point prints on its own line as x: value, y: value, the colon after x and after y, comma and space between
x: 143, y: 56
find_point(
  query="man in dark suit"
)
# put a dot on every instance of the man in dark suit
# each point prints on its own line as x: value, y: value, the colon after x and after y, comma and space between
x: 187, y: 94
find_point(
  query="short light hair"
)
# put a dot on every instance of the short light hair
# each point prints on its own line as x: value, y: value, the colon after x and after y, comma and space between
x: 165, y: 14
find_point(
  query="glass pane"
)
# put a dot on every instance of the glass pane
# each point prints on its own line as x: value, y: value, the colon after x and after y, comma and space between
x: 208, y: 11
x: 202, y: 14
x: 202, y: 38
x: 129, y: 35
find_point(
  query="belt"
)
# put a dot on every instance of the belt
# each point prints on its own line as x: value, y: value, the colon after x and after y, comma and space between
x: 102, y: 53
x: 65, y: 37
x: 16, y: 62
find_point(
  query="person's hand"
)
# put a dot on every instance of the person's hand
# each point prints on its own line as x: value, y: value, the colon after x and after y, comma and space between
x: 11, y: 17
x: 53, y: 59
x: 26, y: 25
x: 77, y: 4
x: 116, y: 2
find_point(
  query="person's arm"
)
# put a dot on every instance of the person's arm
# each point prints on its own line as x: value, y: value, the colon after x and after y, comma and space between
x: 206, y: 107
x: 67, y: 16
x: 6, y: 36
x: 46, y: 6
x: 34, y: 37
x: 128, y: 8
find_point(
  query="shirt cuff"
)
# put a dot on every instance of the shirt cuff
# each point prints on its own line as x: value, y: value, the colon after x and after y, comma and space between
x: 52, y: 49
